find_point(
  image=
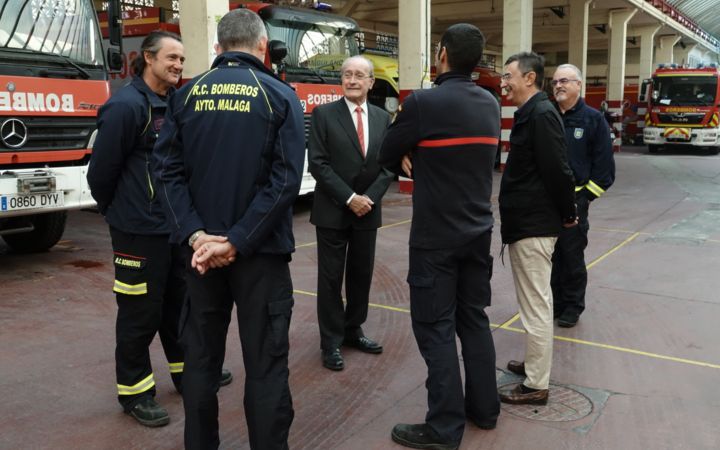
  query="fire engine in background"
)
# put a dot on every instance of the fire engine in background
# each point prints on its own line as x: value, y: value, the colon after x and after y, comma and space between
x: 306, y: 48
x: 683, y: 108
x: 53, y: 79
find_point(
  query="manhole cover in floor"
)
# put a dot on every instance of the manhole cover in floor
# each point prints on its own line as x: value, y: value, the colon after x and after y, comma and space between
x: 564, y: 405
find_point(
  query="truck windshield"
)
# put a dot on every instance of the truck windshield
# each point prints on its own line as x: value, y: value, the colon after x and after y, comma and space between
x: 60, y: 28
x: 317, y: 47
x: 685, y: 90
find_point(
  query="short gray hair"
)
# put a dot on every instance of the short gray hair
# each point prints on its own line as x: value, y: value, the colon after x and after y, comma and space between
x: 371, y: 68
x: 240, y: 28
x: 570, y: 66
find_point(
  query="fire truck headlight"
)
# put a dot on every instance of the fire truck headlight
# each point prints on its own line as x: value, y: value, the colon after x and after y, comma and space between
x: 391, y: 105
x: 91, y: 141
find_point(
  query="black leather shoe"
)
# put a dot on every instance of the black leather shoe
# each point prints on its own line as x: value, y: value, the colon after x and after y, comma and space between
x: 149, y: 413
x: 568, y: 319
x: 521, y: 395
x: 420, y: 436
x: 482, y: 424
x: 516, y: 367
x: 364, y: 344
x: 332, y: 359
x: 225, y: 377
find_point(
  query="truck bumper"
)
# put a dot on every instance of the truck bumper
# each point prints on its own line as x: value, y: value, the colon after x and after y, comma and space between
x: 697, y: 137
x: 70, y: 183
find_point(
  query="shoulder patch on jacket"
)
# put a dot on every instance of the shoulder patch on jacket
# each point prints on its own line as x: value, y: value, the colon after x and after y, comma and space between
x: 579, y: 133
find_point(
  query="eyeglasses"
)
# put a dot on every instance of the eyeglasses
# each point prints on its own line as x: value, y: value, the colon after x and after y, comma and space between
x: 561, y: 81
x: 507, y: 75
x: 358, y: 76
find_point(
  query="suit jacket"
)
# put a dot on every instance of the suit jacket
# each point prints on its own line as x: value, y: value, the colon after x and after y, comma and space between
x: 336, y: 162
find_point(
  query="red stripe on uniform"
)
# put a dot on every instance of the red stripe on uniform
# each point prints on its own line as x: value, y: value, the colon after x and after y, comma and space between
x: 128, y: 256
x: 459, y: 141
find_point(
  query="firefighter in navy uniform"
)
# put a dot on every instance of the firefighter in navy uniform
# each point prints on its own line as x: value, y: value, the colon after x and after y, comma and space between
x: 590, y: 155
x: 452, y: 157
x: 229, y: 164
x: 149, y: 272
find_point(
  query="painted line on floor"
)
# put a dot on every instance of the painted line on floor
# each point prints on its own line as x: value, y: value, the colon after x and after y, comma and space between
x: 390, y: 225
x: 613, y: 250
x: 505, y: 326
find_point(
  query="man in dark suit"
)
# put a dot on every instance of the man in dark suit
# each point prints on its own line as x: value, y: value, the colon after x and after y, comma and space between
x: 345, y: 138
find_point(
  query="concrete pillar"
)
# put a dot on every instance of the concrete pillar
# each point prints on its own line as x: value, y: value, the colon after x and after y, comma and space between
x: 414, y: 53
x: 617, y: 22
x: 517, y: 27
x: 198, y: 24
x: 647, y: 47
x: 578, y: 36
x: 665, y: 49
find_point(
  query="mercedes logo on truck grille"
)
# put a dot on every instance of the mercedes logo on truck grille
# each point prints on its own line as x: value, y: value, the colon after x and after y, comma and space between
x: 13, y: 133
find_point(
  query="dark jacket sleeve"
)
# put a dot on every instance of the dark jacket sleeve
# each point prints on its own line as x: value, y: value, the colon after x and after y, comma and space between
x: 274, y: 199
x: 551, y: 158
x: 381, y: 184
x: 117, y: 131
x: 170, y: 177
x: 319, y: 159
x: 402, y: 136
x: 602, y: 171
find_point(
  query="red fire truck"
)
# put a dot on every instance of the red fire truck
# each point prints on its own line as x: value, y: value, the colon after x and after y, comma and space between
x: 683, y: 108
x: 306, y: 47
x: 53, y: 79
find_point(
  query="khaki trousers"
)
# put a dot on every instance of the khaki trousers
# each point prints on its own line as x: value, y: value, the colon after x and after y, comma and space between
x: 531, y: 261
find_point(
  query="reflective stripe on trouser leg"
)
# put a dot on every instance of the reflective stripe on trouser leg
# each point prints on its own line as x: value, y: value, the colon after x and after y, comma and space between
x: 531, y: 266
x: 176, y: 367
x: 138, y: 388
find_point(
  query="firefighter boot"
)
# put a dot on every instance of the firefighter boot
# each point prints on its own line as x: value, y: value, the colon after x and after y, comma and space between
x: 149, y: 413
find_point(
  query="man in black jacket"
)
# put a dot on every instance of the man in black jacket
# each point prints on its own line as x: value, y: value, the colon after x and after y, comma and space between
x: 536, y: 201
x: 228, y: 163
x: 590, y: 156
x: 451, y: 156
x: 345, y: 137
x: 149, y: 281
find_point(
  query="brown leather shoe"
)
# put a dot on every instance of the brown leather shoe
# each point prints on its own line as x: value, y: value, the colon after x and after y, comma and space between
x: 520, y: 396
x: 516, y: 367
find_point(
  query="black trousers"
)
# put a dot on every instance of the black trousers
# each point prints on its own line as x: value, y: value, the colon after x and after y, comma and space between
x: 351, y: 253
x: 449, y: 290
x: 569, y: 274
x: 261, y: 288
x: 150, y: 292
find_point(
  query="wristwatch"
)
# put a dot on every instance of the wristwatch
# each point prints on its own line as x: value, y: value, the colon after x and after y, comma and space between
x: 194, y: 237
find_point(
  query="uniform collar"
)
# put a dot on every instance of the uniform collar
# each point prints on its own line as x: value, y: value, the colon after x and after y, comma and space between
x: 578, y: 106
x: 241, y: 59
x: 451, y: 75
x: 155, y: 100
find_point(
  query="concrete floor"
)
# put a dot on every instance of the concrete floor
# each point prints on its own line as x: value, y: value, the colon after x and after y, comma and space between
x: 645, y: 352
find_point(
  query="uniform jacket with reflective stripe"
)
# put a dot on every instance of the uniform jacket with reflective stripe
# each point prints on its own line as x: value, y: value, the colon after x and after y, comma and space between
x: 589, y: 149
x: 452, y: 132
x: 230, y: 156
x: 119, y: 174
x: 537, y: 190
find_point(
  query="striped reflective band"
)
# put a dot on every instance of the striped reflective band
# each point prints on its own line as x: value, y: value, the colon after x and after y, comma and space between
x: 138, y: 388
x: 176, y: 367
x: 595, y: 189
x: 458, y: 141
x: 714, y: 120
x: 130, y: 289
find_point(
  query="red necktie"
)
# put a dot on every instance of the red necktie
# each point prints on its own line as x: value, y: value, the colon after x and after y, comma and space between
x: 360, y: 130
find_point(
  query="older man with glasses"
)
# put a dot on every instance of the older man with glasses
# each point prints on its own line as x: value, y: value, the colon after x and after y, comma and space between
x: 591, y: 159
x: 345, y: 138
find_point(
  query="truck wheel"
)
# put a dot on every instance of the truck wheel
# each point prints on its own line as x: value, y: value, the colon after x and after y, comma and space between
x: 48, y: 230
x: 653, y: 148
